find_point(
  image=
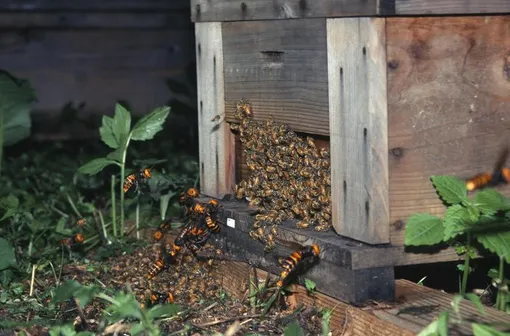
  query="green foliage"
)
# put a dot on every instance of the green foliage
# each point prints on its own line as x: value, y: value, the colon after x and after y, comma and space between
x: 485, y: 330
x: 293, y: 329
x: 451, y: 189
x: 424, y: 229
x: 310, y: 286
x: 326, y: 320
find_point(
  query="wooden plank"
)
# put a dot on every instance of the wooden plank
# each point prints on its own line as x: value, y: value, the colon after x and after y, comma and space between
x: 216, y: 142
x: 418, y: 306
x: 448, y: 103
x: 345, y: 320
x: 358, y: 128
x: 97, y: 67
x: 175, y: 19
x: 427, y: 7
x: 99, y: 5
x: 281, y: 67
x: 239, y: 10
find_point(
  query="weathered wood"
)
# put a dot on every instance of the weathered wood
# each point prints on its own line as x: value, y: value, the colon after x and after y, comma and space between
x: 345, y: 319
x: 418, y: 306
x: 427, y: 7
x: 281, y: 67
x: 239, y: 10
x: 346, y: 269
x: 100, y: 5
x: 174, y: 19
x: 358, y: 128
x: 216, y: 142
x: 448, y: 103
x: 97, y: 67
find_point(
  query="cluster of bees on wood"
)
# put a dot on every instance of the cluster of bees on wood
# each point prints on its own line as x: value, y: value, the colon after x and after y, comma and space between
x: 290, y: 177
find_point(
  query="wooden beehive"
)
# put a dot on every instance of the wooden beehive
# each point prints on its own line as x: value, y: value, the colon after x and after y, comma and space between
x: 399, y: 98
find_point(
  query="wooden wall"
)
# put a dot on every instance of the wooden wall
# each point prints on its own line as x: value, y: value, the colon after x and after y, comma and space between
x: 96, y: 51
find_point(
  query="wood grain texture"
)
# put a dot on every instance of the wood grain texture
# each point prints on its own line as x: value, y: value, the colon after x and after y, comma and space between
x: 345, y: 320
x: 281, y: 67
x: 97, y: 67
x: 100, y: 5
x: 426, y: 7
x: 239, y: 10
x: 418, y: 306
x: 172, y: 19
x: 448, y: 108
x: 358, y: 128
x: 216, y: 142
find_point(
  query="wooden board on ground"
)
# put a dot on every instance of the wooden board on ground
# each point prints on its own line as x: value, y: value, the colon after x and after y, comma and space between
x: 237, y: 10
x: 415, y: 307
x: 448, y: 103
x: 281, y: 67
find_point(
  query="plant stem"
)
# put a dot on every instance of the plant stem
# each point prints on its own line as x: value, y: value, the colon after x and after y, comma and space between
x: 137, y: 217
x: 1, y: 139
x: 122, y: 173
x: 114, y: 214
x: 466, y: 265
x: 101, y: 219
x: 32, y: 280
x: 500, y: 302
x: 73, y: 206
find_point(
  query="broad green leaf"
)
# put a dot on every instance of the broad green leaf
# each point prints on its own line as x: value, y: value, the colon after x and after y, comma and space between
x: 164, y: 310
x: 476, y: 302
x: 137, y: 329
x: 293, y: 329
x: 107, y: 132
x: 310, y: 285
x: 16, y: 99
x: 9, y: 202
x: 456, y: 219
x: 423, y: 229
x: 6, y: 277
x: 66, y: 291
x: 442, y: 324
x: 486, y: 330
x: 489, y: 201
x: 496, y: 242
x: 430, y: 330
x: 451, y: 189
x: 7, y: 256
x: 326, y: 320
x: 95, y: 166
x: 60, y: 228
x: 150, y: 124
x: 457, y: 299
x: 85, y: 294
x: 121, y: 123
x: 117, y: 154
x: 126, y: 306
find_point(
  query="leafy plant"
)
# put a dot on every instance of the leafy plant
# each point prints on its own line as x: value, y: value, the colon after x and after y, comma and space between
x: 16, y: 98
x: 117, y: 133
x: 483, y: 219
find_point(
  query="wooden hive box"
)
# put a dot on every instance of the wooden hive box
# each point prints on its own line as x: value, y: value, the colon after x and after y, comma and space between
x: 396, y: 98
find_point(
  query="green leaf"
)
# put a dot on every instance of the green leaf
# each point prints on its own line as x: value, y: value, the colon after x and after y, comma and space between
x: 456, y: 219
x: 310, y: 285
x: 423, y: 229
x: 16, y: 99
x: 150, y: 124
x: 85, y: 294
x: 451, y: 189
x: 476, y: 302
x: 95, y: 166
x: 66, y: 291
x: 489, y: 201
x: 327, y: 313
x: 137, y: 329
x: 430, y: 330
x: 9, y: 202
x: 442, y: 324
x: 7, y: 256
x: 457, y: 299
x: 293, y: 329
x: 114, y: 131
x: 117, y: 154
x: 164, y: 310
x: 486, y: 330
x: 496, y: 242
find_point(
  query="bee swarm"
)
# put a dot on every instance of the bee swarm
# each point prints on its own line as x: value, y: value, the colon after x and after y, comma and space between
x: 290, y: 178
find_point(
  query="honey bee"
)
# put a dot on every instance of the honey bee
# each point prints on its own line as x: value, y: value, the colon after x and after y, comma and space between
x: 81, y: 222
x: 291, y: 264
x: 137, y: 178
x: 499, y: 175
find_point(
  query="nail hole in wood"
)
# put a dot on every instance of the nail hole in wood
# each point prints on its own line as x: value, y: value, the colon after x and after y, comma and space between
x: 197, y: 8
x: 393, y: 64
x: 199, y: 49
x: 397, y: 151
x: 365, y: 132
x: 243, y: 6
x: 364, y: 50
x: 345, y: 186
x: 341, y: 71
